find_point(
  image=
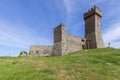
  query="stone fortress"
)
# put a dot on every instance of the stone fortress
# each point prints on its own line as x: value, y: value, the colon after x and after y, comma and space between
x: 65, y: 43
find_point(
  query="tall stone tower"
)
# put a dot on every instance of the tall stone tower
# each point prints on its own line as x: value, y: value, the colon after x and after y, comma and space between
x: 59, y: 40
x: 92, y: 28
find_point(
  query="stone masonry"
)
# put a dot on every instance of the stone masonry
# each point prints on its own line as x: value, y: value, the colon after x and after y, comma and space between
x: 92, y: 28
x: 65, y: 43
x: 36, y: 50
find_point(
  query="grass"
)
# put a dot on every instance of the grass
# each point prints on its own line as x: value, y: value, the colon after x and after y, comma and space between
x: 95, y: 64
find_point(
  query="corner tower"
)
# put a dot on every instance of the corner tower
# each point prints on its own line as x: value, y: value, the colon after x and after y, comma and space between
x: 92, y: 28
x: 59, y: 40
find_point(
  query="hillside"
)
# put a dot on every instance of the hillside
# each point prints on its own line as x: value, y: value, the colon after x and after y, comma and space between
x: 95, y: 64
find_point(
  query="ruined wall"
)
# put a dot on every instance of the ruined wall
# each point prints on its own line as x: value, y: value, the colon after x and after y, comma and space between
x: 40, y: 50
x: 65, y: 43
x: 73, y: 43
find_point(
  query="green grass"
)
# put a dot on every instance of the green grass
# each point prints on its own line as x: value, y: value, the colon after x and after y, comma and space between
x: 95, y: 64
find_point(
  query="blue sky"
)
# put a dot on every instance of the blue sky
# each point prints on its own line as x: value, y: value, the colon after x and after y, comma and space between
x: 31, y: 22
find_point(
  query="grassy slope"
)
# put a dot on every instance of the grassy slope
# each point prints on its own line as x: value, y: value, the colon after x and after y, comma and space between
x: 96, y: 64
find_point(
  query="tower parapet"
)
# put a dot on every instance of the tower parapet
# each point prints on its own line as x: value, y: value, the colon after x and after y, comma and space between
x: 93, y: 11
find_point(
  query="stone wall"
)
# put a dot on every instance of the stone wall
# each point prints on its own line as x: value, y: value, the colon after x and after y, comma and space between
x: 36, y: 50
x: 59, y: 40
x: 73, y: 43
x: 65, y: 43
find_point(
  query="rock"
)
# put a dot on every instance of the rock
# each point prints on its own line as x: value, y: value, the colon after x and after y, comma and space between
x: 108, y: 64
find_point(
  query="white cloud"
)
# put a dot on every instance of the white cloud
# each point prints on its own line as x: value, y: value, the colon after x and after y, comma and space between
x: 19, y: 36
x: 94, y: 2
x: 112, y: 35
x: 70, y: 7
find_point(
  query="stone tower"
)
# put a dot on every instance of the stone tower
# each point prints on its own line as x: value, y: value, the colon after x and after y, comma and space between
x: 59, y: 40
x: 92, y: 28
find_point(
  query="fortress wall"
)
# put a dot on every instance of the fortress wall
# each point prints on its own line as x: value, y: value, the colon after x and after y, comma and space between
x: 73, y: 43
x: 36, y: 50
x: 57, y: 50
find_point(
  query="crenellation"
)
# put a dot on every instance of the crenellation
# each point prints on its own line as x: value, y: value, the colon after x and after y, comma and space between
x: 93, y: 11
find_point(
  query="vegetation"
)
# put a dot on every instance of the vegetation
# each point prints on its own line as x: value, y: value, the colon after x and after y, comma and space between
x: 95, y: 64
x: 37, y: 52
x: 23, y: 52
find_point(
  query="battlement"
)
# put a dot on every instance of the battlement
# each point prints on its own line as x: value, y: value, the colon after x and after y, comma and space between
x: 93, y: 11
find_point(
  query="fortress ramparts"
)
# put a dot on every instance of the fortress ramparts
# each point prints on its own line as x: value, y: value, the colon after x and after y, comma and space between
x: 65, y: 43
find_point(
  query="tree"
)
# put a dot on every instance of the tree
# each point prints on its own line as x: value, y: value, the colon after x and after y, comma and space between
x: 23, y: 53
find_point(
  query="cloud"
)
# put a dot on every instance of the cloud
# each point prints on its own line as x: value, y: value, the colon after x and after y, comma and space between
x: 94, y: 2
x: 11, y: 36
x: 112, y: 35
x: 19, y: 36
x: 69, y: 7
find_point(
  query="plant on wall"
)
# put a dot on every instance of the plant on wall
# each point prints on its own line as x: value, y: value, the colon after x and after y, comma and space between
x: 37, y: 52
